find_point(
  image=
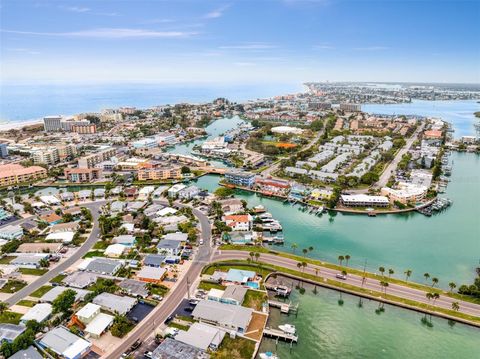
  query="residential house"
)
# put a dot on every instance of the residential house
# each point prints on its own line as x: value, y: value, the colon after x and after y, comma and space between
x: 114, y: 303
x: 202, y: 336
x: 153, y: 260
x: 230, y: 317
x: 151, y: 274
x: 39, y: 312
x: 11, y: 232
x: 239, y: 222
x: 169, y: 247
x: 65, y: 344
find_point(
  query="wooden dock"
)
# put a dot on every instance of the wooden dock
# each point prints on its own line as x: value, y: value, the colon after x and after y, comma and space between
x: 286, y: 308
x: 278, y: 334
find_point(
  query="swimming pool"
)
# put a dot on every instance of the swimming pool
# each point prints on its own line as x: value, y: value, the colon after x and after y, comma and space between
x: 253, y: 285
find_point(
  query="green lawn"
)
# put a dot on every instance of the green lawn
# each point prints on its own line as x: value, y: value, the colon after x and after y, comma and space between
x: 41, y: 291
x: 238, y: 348
x: 158, y: 289
x: 254, y: 299
x: 207, y: 286
x: 33, y: 271
x: 178, y: 326
x: 6, y: 259
x: 27, y: 303
x: 13, y: 286
x: 101, y: 245
x: 58, y: 278
x: 96, y: 253
x: 224, y: 266
x: 10, y: 317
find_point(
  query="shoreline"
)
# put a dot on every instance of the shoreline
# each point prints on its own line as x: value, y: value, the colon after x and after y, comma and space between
x: 6, y: 126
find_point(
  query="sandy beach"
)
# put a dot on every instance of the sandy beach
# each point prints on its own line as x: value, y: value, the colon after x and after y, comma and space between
x: 5, y: 126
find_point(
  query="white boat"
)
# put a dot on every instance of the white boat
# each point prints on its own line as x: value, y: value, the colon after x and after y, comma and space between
x: 288, y: 328
x: 268, y: 355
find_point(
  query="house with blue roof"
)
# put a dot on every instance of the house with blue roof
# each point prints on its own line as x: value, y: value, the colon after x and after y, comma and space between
x: 239, y: 276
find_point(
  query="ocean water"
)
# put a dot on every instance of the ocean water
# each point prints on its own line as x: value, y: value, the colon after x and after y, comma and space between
x: 459, y: 113
x: 23, y: 103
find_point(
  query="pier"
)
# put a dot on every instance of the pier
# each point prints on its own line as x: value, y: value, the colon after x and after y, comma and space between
x: 278, y: 334
x: 285, y: 308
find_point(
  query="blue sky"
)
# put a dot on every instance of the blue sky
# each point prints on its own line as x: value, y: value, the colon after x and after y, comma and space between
x: 239, y: 42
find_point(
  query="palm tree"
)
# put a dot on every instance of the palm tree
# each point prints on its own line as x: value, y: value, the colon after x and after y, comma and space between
x: 384, y: 285
x: 455, y: 306
x: 382, y: 270
x: 252, y: 255
x: 429, y: 296
x: 452, y: 286
x: 426, y: 275
x: 347, y: 258
x: 304, y: 264
x: 299, y: 265
x: 407, y: 273
x: 435, y: 296
x: 344, y: 272
x: 310, y: 249
x: 294, y: 247
x: 341, y: 259
x: 257, y: 255
x: 434, y: 281
x: 305, y: 251
x: 390, y: 272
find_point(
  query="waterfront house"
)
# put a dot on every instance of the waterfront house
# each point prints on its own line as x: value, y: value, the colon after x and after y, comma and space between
x: 175, y: 349
x: 239, y: 222
x: 230, y: 317
x: 239, y: 276
x: 202, y: 336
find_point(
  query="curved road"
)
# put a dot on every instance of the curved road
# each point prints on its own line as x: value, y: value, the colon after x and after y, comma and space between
x: 355, y: 280
x: 86, y: 246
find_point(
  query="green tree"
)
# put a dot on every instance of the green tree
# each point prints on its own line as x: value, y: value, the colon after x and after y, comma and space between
x: 434, y: 281
x: 3, y: 307
x: 347, y: 258
x: 382, y: 270
x: 341, y: 259
x: 455, y: 306
x: 426, y: 275
x: 407, y: 273
x: 223, y: 192
x: 64, y: 302
x: 294, y: 246
x: 121, y: 326
x: 305, y: 251
x: 452, y: 286
x: 390, y: 272
x: 185, y: 170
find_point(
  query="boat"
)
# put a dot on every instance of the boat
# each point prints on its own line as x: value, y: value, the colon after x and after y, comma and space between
x: 268, y: 355
x: 288, y: 328
x: 259, y: 209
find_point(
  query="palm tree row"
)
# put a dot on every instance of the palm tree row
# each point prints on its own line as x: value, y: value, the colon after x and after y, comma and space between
x: 345, y: 258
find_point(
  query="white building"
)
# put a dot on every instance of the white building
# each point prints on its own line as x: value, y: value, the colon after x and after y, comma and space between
x: 287, y: 130
x: 11, y: 232
x: 363, y: 200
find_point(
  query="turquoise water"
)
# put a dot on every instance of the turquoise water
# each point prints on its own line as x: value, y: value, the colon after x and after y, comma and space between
x: 327, y: 329
x: 459, y: 113
x: 215, y: 129
x: 446, y: 245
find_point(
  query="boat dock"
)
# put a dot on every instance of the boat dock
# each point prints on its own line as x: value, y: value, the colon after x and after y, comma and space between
x: 278, y: 334
x: 285, y: 308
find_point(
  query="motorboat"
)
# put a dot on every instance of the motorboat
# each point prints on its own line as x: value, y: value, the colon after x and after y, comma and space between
x: 288, y: 328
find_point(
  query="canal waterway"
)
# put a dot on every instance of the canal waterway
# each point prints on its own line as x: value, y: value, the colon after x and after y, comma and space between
x: 334, y: 325
x: 446, y: 245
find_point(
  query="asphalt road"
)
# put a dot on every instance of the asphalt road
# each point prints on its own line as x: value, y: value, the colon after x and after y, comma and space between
x: 392, y: 166
x: 356, y: 280
x: 86, y: 246
x: 147, y: 326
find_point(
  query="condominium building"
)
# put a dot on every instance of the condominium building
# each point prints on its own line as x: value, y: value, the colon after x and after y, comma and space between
x: 159, y: 173
x: 244, y: 179
x: 91, y: 160
x: 350, y: 107
x: 48, y: 156
x: 14, y: 174
x: 82, y: 174
x: 84, y: 128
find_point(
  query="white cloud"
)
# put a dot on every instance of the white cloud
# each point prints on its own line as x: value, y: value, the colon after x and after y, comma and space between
x: 77, y: 9
x: 110, y: 33
x: 323, y: 47
x: 249, y: 46
x: 217, y: 13
x: 24, y: 50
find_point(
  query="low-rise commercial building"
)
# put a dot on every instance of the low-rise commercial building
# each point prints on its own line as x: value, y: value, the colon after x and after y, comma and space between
x: 363, y: 200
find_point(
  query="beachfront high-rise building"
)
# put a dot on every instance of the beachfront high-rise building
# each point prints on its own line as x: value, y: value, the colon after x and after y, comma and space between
x: 350, y: 107
x: 52, y: 123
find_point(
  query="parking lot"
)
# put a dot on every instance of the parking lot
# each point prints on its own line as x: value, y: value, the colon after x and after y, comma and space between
x: 140, y: 311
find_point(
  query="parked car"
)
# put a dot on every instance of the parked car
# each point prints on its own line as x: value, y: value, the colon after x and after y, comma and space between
x: 189, y: 309
x: 148, y: 355
x: 157, y: 297
x: 135, y: 345
x: 341, y: 276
